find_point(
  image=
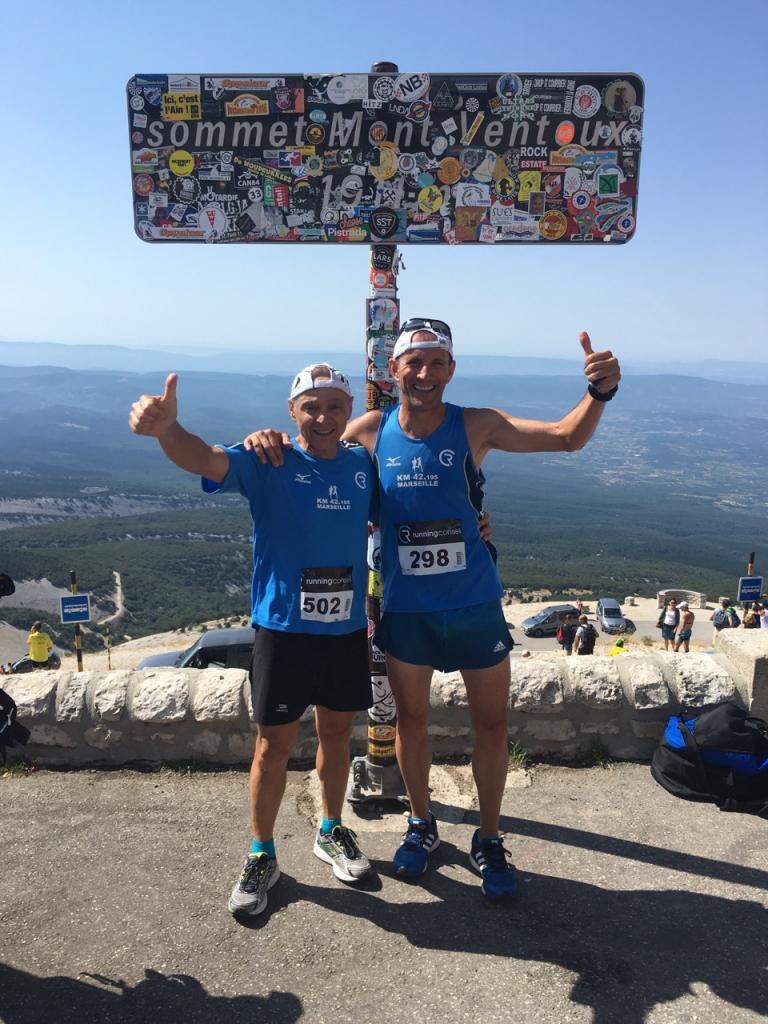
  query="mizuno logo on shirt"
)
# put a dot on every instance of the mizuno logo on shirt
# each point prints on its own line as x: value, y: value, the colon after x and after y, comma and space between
x: 303, y: 478
x: 393, y: 460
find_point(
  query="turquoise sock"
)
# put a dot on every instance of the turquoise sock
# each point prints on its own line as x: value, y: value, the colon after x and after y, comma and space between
x: 329, y: 824
x: 267, y: 847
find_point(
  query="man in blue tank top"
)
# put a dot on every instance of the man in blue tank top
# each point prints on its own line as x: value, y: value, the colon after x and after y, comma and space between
x: 441, y: 589
x: 310, y: 525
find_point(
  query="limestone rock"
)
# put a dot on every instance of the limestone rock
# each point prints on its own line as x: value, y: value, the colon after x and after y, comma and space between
x: 611, y: 727
x: 109, y: 694
x: 159, y: 696
x: 697, y: 679
x: 217, y: 694
x: 554, y: 730
x: 70, y: 695
x: 50, y: 736
x: 536, y: 686
x: 205, y: 743
x: 594, y: 682
x: 448, y: 691
x: 643, y: 680
x: 33, y: 693
x: 102, y: 736
x: 241, y: 744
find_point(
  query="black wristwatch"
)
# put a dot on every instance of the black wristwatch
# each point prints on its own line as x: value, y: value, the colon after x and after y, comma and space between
x: 599, y: 395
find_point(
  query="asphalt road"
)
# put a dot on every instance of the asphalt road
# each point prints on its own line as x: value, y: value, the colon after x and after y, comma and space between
x: 634, y: 908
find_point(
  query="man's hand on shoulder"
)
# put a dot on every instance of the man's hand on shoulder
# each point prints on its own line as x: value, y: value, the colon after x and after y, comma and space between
x: 267, y: 444
x: 155, y: 415
x: 600, y: 368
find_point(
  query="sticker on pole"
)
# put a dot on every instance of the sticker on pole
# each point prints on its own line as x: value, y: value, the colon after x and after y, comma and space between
x: 413, y: 157
x: 76, y: 608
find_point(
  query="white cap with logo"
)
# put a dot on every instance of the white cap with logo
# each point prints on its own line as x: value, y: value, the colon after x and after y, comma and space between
x: 440, y: 336
x: 319, y: 375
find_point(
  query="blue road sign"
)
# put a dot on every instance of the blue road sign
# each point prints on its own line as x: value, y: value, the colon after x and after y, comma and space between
x: 76, y: 608
x: 750, y: 588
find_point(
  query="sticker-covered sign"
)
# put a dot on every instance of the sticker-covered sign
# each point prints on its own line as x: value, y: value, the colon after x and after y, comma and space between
x: 397, y: 158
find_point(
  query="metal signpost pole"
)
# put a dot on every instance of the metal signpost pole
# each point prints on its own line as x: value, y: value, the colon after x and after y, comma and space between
x: 78, y: 635
x: 377, y: 775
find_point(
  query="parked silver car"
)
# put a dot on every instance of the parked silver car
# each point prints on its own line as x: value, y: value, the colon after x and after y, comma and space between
x: 548, y: 620
x: 611, y: 618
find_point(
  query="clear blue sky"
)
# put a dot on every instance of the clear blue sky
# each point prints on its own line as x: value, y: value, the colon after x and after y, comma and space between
x: 692, y: 283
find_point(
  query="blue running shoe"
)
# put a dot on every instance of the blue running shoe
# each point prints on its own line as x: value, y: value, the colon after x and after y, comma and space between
x: 489, y: 857
x: 412, y: 855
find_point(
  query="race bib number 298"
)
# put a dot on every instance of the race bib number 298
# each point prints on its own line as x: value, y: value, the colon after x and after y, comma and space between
x: 326, y: 594
x: 432, y: 547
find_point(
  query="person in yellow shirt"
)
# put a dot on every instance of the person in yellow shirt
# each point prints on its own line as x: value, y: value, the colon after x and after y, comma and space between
x: 618, y: 648
x: 40, y: 646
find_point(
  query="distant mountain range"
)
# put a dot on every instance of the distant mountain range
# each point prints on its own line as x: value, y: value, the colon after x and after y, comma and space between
x: 122, y: 358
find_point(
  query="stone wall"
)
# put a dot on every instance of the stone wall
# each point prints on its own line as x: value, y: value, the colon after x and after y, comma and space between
x: 558, y: 706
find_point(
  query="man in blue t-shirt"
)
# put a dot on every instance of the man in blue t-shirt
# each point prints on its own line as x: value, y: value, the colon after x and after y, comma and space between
x: 441, y: 589
x: 310, y: 524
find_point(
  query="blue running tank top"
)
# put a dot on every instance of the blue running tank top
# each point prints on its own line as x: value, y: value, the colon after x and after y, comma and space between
x: 430, y: 491
x: 310, y: 528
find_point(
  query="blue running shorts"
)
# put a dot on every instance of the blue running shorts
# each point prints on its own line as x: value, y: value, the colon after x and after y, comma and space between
x: 474, y: 637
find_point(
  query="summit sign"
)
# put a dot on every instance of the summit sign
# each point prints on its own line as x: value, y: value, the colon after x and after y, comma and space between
x: 560, y: 153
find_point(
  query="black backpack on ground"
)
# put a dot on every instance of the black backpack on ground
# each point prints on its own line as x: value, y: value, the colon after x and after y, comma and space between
x: 11, y: 732
x: 716, y: 754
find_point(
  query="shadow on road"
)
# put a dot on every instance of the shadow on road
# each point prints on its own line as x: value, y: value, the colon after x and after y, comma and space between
x: 630, y: 950
x: 159, y: 998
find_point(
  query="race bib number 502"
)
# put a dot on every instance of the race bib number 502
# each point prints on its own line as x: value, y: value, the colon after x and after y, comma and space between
x: 429, y: 548
x: 326, y: 594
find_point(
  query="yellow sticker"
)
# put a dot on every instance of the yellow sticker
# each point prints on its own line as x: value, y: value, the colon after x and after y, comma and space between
x: 181, y: 163
x: 530, y: 181
x: 375, y: 584
x: 246, y: 105
x: 553, y: 225
x: 430, y: 199
x: 387, y: 165
x: 472, y: 130
x: 181, y: 106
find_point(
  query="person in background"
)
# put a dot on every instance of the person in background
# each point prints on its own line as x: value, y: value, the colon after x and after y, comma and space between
x: 725, y: 616
x: 618, y: 648
x: 40, y: 646
x: 586, y: 635
x: 668, y: 622
x: 752, y: 616
x: 568, y: 634
x: 764, y: 616
x: 686, y: 627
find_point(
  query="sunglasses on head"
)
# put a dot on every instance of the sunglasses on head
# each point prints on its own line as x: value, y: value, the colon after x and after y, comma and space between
x: 417, y: 323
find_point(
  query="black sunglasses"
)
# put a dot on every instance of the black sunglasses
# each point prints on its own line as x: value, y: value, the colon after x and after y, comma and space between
x: 417, y: 323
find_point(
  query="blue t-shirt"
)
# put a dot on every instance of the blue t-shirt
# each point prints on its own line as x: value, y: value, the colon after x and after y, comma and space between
x: 430, y: 491
x: 310, y: 528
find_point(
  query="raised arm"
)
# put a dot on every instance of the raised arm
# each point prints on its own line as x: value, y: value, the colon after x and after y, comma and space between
x: 155, y: 416
x: 493, y: 428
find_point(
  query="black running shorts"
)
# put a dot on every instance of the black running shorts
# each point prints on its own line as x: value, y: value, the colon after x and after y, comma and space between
x: 290, y: 671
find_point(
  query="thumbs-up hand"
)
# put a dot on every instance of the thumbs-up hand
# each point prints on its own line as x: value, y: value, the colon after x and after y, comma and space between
x: 154, y: 415
x: 600, y: 368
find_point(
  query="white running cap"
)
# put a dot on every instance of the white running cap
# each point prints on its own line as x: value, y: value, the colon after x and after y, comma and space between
x: 319, y: 375
x: 405, y: 341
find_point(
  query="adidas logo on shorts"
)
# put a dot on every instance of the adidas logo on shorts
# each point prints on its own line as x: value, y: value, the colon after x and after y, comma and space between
x: 500, y: 646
